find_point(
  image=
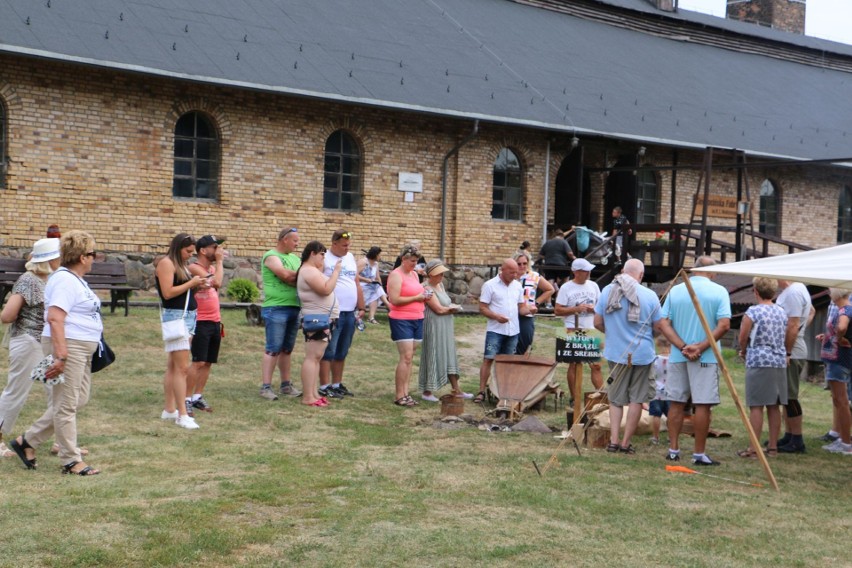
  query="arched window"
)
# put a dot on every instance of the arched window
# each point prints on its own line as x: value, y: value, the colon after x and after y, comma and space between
x: 507, y: 194
x: 342, y: 183
x: 196, y: 173
x: 844, y: 216
x: 3, y: 149
x: 769, y: 208
x: 647, y: 197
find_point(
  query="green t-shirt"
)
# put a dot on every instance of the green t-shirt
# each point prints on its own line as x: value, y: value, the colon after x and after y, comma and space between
x: 278, y: 293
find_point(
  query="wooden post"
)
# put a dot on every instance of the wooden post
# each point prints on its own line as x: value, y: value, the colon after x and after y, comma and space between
x: 755, y: 442
x: 575, y: 381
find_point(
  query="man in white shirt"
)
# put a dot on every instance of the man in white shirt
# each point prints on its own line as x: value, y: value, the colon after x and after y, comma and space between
x: 795, y: 299
x: 576, y: 304
x: 350, y: 302
x: 501, y: 301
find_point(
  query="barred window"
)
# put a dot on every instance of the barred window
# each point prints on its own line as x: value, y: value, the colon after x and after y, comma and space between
x: 342, y: 180
x: 769, y: 201
x: 844, y: 216
x: 648, y: 197
x: 507, y: 193
x: 4, y: 159
x: 196, y: 169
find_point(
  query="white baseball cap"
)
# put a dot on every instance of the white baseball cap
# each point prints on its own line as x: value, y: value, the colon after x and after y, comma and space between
x: 582, y: 264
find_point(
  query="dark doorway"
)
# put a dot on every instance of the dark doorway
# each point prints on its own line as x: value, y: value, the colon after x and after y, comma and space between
x: 620, y: 191
x: 573, y: 193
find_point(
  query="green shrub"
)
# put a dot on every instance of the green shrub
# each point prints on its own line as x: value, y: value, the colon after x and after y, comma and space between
x: 243, y: 290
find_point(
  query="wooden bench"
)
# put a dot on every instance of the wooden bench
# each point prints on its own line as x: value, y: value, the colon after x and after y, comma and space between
x: 104, y: 276
x: 111, y: 276
x: 10, y: 270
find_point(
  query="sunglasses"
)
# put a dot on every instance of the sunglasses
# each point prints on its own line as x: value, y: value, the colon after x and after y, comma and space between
x: 90, y: 254
x: 187, y: 240
x: 288, y: 231
x: 346, y: 235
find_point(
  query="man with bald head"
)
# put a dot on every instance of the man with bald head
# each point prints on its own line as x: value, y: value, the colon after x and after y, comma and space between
x: 501, y: 301
x: 693, y: 369
x: 628, y: 314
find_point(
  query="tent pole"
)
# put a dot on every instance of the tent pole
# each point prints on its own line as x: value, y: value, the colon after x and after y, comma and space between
x: 724, y: 368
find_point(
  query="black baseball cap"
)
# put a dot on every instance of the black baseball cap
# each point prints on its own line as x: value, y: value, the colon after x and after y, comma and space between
x: 208, y: 240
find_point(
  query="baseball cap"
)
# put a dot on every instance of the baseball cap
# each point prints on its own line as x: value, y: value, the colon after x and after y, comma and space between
x: 208, y: 240
x: 582, y: 264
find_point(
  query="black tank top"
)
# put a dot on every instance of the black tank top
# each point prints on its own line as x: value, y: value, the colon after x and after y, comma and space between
x: 177, y: 302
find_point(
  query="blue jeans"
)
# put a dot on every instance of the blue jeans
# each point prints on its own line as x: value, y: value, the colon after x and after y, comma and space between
x: 170, y: 314
x: 499, y: 344
x: 282, y: 326
x: 341, y: 338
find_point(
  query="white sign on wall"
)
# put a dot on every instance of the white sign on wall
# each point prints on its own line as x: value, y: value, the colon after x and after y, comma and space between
x: 410, y: 182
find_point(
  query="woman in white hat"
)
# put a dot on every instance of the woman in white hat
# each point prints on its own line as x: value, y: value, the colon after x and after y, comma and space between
x: 25, y: 312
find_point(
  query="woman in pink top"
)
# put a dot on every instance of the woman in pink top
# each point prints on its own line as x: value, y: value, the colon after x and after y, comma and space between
x: 407, y: 305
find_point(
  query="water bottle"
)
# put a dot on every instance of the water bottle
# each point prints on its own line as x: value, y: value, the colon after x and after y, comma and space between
x: 359, y: 323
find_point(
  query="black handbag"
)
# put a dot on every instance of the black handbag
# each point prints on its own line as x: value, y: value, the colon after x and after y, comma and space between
x: 103, y: 356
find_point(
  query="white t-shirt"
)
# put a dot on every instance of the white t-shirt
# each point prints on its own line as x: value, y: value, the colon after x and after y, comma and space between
x: 503, y: 299
x: 572, y: 294
x: 69, y: 292
x: 346, y: 289
x: 796, y: 301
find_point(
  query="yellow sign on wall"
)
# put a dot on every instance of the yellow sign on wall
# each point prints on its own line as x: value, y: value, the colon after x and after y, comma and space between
x: 724, y: 206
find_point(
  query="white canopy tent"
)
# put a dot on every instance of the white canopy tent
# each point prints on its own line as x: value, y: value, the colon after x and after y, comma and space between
x: 829, y: 267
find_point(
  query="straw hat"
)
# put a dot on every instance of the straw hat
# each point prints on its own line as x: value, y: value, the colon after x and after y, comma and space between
x: 435, y: 267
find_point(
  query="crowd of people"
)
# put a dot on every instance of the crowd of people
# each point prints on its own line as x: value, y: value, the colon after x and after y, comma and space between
x: 55, y: 321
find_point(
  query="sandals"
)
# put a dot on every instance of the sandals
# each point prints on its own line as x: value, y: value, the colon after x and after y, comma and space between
x: 85, y: 472
x: 479, y: 398
x: 405, y: 401
x: 612, y: 448
x: 19, y: 449
x: 629, y: 450
x: 771, y: 452
x: 320, y: 402
x: 747, y: 453
x: 372, y: 320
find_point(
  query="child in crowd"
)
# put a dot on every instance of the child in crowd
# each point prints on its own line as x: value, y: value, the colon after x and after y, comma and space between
x: 659, y: 406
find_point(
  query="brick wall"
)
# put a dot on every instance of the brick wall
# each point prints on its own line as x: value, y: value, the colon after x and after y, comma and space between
x: 93, y: 149
x: 787, y: 15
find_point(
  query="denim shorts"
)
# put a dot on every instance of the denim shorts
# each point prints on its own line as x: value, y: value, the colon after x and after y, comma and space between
x: 170, y: 314
x: 406, y: 330
x: 839, y: 373
x: 658, y: 407
x: 499, y: 344
x: 282, y: 326
x: 341, y: 338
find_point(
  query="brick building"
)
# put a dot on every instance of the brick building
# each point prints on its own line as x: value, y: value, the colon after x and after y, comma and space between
x: 504, y: 118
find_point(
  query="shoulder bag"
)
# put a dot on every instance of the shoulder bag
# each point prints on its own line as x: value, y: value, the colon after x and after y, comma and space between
x: 175, y: 330
x: 318, y: 322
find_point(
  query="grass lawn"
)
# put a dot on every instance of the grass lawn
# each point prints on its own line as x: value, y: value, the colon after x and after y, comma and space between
x: 365, y: 483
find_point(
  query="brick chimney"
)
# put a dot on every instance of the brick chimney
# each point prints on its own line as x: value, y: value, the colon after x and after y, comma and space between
x: 787, y: 15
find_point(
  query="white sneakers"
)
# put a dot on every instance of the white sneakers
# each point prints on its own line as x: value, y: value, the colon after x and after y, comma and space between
x: 187, y: 422
x: 838, y: 447
x: 429, y: 397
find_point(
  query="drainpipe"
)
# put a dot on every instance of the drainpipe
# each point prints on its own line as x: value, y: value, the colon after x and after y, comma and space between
x: 449, y: 155
x: 547, y: 194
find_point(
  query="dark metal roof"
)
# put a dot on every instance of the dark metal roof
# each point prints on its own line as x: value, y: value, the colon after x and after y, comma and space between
x: 494, y: 60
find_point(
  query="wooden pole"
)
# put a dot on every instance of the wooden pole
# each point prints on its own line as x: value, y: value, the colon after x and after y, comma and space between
x: 721, y: 362
x: 576, y: 383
